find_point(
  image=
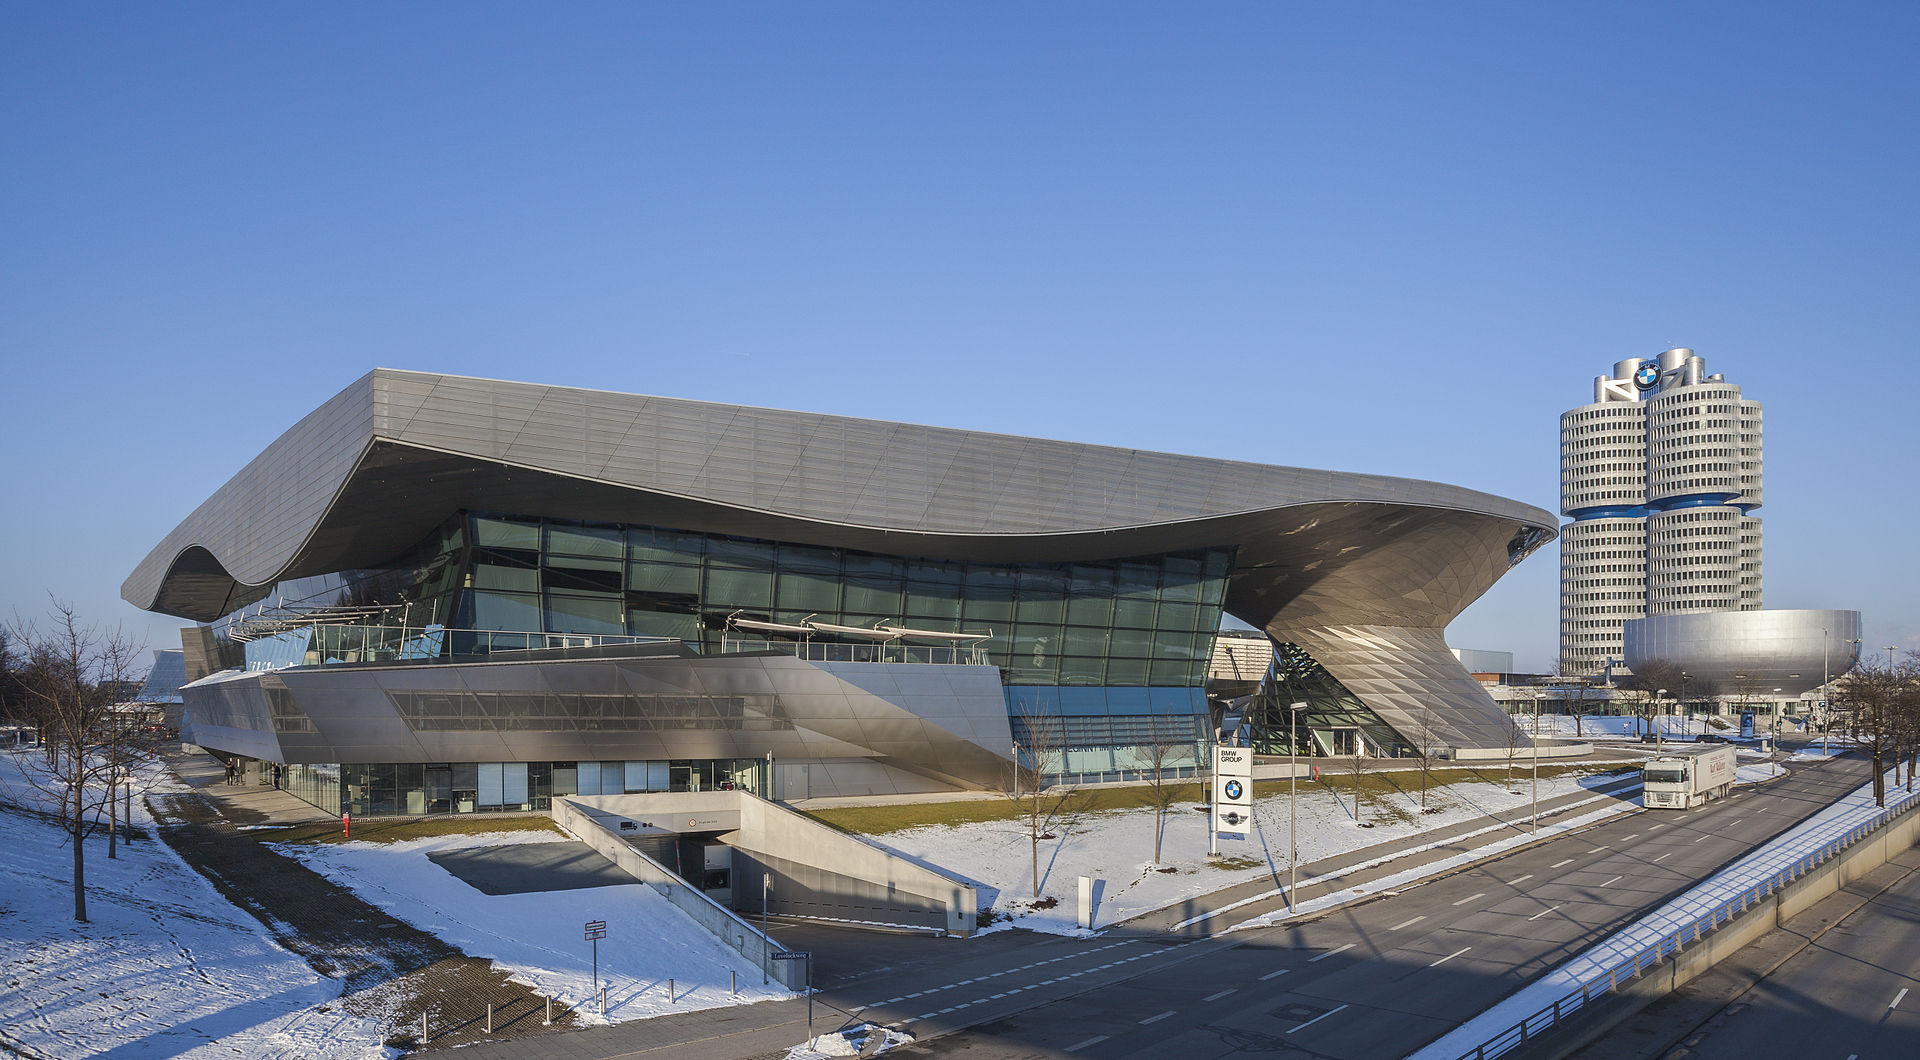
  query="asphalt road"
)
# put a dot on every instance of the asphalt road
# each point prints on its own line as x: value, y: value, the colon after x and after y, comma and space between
x: 1378, y: 979
x: 1853, y: 994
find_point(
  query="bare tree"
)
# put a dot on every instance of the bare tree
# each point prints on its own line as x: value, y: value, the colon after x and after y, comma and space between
x: 1169, y: 751
x: 1576, y: 691
x: 1043, y: 808
x: 1879, y: 698
x: 1429, y: 745
x: 73, y: 674
x: 1358, y: 764
x: 1653, y: 683
x: 1515, y: 737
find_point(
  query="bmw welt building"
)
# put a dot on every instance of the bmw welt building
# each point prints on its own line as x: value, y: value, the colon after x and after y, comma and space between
x: 442, y: 594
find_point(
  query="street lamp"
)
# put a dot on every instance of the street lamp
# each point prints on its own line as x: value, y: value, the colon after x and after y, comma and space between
x: 1658, y: 698
x: 1535, y: 695
x: 1890, y: 651
x: 1293, y: 805
x: 1686, y: 712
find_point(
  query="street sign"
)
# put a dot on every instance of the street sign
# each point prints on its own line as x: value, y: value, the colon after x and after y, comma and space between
x: 1232, y: 790
x: 792, y: 955
x: 596, y: 930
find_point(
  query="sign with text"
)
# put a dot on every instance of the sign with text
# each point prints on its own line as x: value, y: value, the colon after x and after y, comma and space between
x: 596, y: 930
x: 1232, y: 790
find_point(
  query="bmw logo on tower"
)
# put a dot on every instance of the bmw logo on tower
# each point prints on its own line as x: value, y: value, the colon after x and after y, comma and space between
x: 1647, y: 376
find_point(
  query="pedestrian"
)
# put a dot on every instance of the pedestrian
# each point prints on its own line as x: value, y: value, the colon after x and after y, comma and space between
x: 276, y: 778
x: 229, y: 772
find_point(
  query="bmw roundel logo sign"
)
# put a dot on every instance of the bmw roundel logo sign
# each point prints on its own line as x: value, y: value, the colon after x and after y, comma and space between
x: 1647, y: 376
x: 1233, y: 789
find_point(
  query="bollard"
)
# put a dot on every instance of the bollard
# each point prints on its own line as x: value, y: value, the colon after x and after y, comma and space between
x: 603, y: 1001
x: 489, y: 1017
x: 733, y: 983
x: 669, y: 991
x: 423, y: 1026
x: 549, y: 1022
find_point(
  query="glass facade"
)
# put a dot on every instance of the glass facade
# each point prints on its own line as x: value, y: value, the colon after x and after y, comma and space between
x: 382, y: 789
x: 1334, y: 721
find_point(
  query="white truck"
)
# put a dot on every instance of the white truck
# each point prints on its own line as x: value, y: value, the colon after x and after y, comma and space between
x: 1683, y: 778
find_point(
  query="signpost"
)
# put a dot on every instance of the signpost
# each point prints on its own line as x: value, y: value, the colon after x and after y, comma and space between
x: 1232, y: 791
x: 807, y: 956
x: 597, y: 930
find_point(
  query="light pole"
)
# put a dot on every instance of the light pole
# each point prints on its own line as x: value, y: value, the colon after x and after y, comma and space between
x: 1535, y: 695
x: 1293, y: 804
x: 1890, y: 651
x: 1686, y: 710
x: 1659, y: 697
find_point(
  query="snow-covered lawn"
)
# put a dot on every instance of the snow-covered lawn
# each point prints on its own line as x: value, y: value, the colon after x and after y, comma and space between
x: 536, y: 938
x: 1117, y: 848
x: 165, y: 966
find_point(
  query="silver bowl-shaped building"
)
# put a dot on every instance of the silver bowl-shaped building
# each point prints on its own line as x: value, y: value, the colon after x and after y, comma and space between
x: 1749, y: 653
x: 516, y: 585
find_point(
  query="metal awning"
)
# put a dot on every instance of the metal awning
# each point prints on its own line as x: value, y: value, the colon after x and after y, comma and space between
x: 783, y: 628
x: 855, y: 631
x: 935, y: 634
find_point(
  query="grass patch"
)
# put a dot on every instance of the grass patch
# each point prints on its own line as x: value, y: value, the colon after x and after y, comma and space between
x: 1375, y: 787
x: 375, y: 830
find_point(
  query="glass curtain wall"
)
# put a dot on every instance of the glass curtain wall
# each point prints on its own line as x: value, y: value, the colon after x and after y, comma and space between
x: 1334, y: 722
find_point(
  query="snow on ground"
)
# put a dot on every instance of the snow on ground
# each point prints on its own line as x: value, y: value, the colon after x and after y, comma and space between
x: 165, y: 966
x: 1117, y: 848
x: 1603, y: 727
x: 1757, y: 772
x: 536, y: 938
x: 1817, y: 831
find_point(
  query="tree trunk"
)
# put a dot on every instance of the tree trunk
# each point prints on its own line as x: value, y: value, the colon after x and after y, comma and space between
x: 1033, y: 833
x: 113, y: 822
x: 1159, y: 826
x: 76, y: 827
x: 1879, y: 776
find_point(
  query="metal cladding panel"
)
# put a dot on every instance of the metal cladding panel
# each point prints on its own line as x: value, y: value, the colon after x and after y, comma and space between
x: 954, y: 743
x: 1750, y: 652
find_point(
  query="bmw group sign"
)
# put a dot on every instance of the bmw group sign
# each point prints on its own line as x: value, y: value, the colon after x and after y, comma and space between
x: 1232, y: 790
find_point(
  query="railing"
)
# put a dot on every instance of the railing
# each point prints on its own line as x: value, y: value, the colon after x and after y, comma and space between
x: 1606, y: 980
x: 878, y: 652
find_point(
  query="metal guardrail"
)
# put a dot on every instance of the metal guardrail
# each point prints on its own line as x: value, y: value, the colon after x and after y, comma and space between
x: 1607, y: 980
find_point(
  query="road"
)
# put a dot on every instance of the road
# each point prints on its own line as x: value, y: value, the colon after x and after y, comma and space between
x: 1851, y: 994
x: 1378, y: 979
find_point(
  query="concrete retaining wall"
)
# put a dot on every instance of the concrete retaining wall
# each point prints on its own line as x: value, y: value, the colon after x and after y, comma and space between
x: 600, y: 830
x: 846, y: 876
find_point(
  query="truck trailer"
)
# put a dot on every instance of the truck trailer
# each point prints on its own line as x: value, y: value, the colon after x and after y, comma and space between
x: 1683, y: 778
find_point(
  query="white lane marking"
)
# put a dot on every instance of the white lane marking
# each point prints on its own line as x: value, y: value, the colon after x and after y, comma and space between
x: 1156, y: 1019
x: 1598, y: 850
x: 1557, y: 864
x: 1656, y: 828
x: 1664, y: 856
x: 1095, y: 1040
x: 1700, y: 839
x: 1406, y: 923
x: 1542, y: 913
x: 1471, y: 897
x: 1449, y: 956
x: 1635, y: 835
x: 1517, y: 882
x: 1736, y: 822
x: 1314, y: 1020
x: 1330, y: 953
x: 1897, y: 998
x: 1218, y: 996
x: 1275, y: 975
x: 1613, y: 881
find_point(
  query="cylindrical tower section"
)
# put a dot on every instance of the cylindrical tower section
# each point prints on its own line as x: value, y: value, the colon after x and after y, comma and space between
x: 1693, y: 560
x: 1603, y: 462
x: 1749, y: 455
x: 1694, y: 445
x: 1749, y: 563
x: 1603, y: 582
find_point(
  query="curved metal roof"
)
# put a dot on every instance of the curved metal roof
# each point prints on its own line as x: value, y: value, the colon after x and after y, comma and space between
x: 370, y: 472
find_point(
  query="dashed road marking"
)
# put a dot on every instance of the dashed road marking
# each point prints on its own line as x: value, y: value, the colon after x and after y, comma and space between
x: 1330, y: 953
x: 1542, y: 913
x: 1095, y: 1040
x: 1635, y: 835
x: 1278, y: 974
x: 1406, y: 923
x: 1449, y: 956
x: 1218, y: 996
x: 1156, y: 1019
x: 1613, y: 881
x: 1517, y: 882
x: 1314, y: 1020
x: 1897, y: 998
x: 1557, y: 864
x: 1471, y: 897
x: 1664, y: 856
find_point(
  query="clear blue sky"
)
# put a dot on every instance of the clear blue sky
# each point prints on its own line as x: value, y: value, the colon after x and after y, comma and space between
x: 1386, y: 238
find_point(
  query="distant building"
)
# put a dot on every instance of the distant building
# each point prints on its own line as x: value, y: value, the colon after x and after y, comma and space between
x: 1661, y: 476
